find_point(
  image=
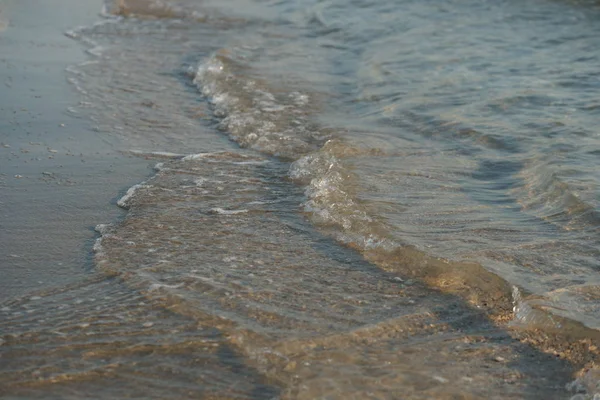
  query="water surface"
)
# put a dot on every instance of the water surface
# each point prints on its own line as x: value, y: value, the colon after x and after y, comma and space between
x: 352, y: 199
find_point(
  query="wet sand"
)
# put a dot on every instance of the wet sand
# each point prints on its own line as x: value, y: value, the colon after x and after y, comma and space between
x: 58, y: 178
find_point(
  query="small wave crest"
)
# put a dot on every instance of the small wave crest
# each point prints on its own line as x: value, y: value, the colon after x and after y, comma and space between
x: 331, y: 200
x: 251, y: 112
x: 297, y: 312
x: 278, y: 125
x: 553, y: 198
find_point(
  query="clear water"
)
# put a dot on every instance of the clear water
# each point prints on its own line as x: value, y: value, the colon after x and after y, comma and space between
x: 406, y: 207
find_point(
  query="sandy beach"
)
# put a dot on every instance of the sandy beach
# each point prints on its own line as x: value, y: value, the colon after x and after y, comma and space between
x: 58, y: 178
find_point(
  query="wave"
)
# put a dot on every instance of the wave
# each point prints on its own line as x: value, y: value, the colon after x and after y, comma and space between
x: 550, y: 197
x: 333, y: 204
x: 253, y: 115
x: 299, y: 309
x: 211, y: 237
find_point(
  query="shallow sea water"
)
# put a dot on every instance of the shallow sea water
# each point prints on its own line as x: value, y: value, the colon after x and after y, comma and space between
x: 351, y: 199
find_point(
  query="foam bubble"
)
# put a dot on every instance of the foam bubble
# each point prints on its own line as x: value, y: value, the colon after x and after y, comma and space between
x: 124, y: 201
x: 218, y: 210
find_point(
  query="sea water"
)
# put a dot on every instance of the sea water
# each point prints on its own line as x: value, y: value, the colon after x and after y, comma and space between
x: 351, y: 199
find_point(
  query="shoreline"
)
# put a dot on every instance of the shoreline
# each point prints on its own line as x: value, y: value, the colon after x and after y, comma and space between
x: 58, y: 178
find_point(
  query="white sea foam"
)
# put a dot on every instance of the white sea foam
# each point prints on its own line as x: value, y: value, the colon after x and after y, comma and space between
x: 124, y: 201
x: 159, y: 286
x: 96, y: 51
x: 218, y: 210
x: 196, y: 156
x: 156, y: 154
x: 97, y: 248
x: 102, y: 228
x: 251, y: 114
x: 200, y: 181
